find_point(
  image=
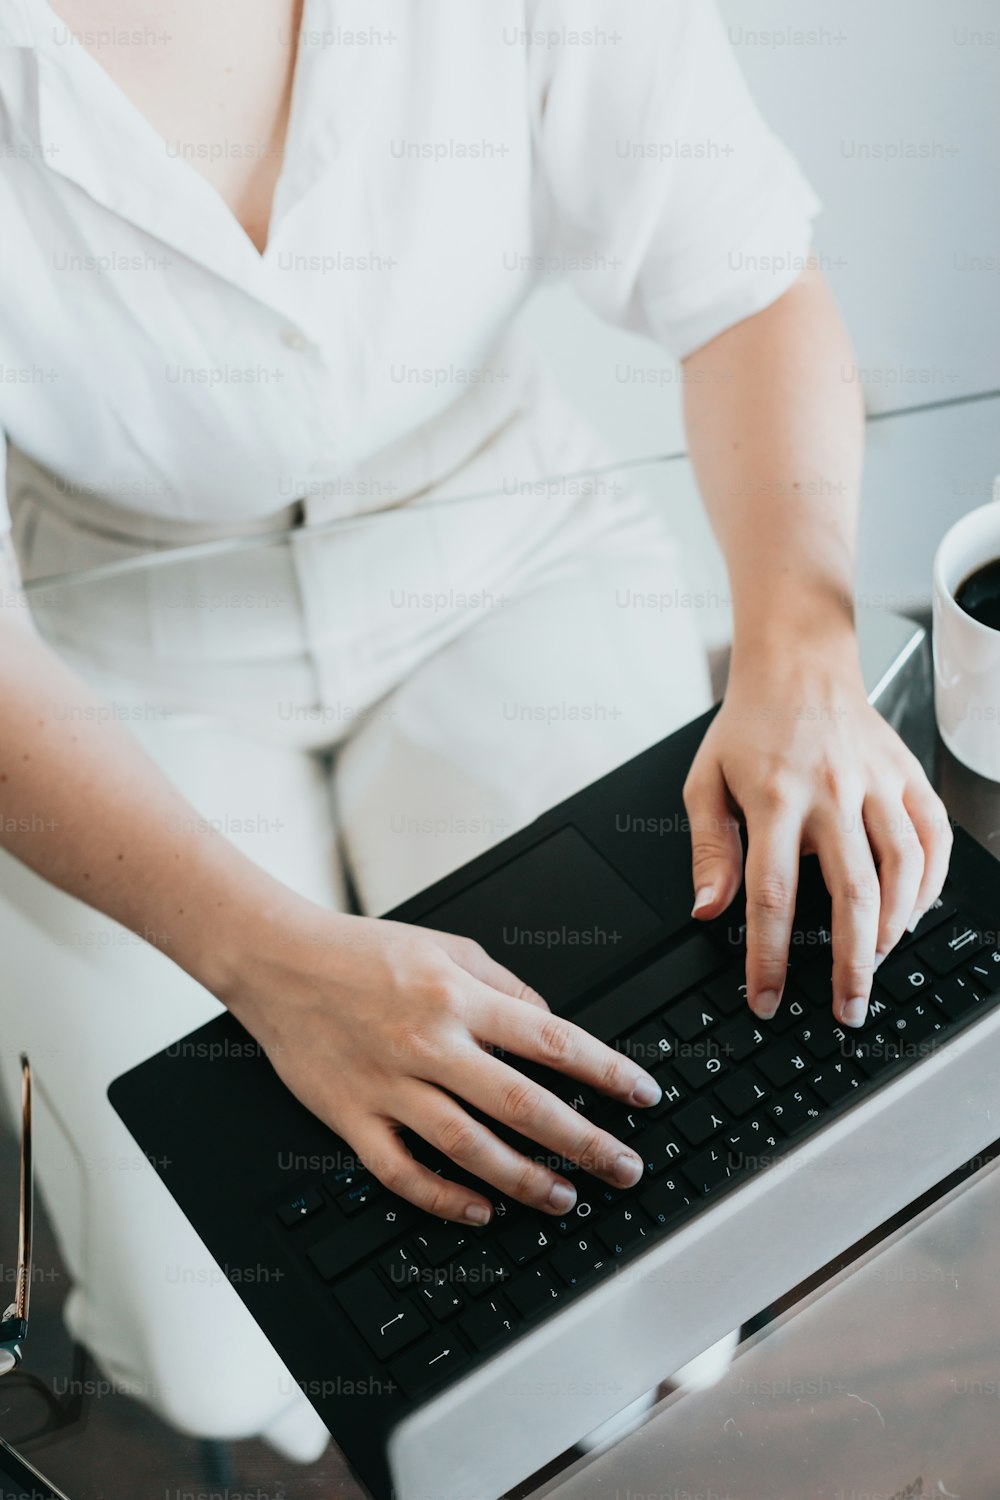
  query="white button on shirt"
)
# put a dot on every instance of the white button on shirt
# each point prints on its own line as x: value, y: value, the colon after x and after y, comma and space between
x: 434, y: 171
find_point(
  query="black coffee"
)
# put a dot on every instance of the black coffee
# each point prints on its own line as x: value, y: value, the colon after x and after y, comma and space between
x: 979, y: 595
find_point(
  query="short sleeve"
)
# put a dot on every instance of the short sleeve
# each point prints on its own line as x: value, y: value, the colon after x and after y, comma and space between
x: 661, y: 191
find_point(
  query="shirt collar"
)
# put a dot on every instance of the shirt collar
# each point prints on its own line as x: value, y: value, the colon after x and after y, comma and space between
x: 122, y: 162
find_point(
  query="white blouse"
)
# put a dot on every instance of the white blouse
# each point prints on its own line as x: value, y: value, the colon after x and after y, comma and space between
x: 443, y: 156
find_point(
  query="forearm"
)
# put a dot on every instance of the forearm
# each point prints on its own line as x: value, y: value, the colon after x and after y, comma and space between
x: 775, y: 432
x: 84, y: 806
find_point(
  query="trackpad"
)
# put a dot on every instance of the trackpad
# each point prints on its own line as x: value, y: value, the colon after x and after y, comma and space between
x: 553, y: 914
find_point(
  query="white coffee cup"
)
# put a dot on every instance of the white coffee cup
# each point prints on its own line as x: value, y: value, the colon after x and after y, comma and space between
x: 966, y: 652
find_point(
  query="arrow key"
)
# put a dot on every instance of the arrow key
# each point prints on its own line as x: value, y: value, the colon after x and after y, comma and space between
x: 428, y: 1364
x: 385, y: 1323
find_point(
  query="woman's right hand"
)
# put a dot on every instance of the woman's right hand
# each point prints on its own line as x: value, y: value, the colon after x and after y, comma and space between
x: 375, y: 1026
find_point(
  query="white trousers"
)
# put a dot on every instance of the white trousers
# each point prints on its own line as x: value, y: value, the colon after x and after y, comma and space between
x: 395, y: 697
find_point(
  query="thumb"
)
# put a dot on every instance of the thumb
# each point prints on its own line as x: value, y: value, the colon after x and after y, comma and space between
x: 716, y: 851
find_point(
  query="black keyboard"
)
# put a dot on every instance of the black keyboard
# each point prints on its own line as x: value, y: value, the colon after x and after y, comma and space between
x: 432, y: 1298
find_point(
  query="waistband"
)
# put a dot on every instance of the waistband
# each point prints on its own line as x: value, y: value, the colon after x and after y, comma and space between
x: 438, y: 457
x: 28, y: 479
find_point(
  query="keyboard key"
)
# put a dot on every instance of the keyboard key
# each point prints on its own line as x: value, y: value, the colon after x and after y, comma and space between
x: 792, y: 1010
x: 794, y: 1109
x: 503, y: 1210
x: 478, y: 1269
x: 438, y: 1242
x: 950, y: 946
x: 985, y: 970
x: 386, y: 1323
x: 924, y: 1024
x: 532, y: 1292
x: 673, y: 1094
x: 702, y: 1065
x: 702, y: 1117
x: 903, y: 977
x: 580, y: 1260
x: 815, y: 980
x: 876, y: 1049
x: 823, y: 1037
x: 429, y: 1363
x: 741, y: 1092
x: 619, y: 1121
x: 358, y: 1197
x: 691, y: 1017
x: 303, y: 1206
x: 783, y: 1062
x: 337, y: 1181
x: 834, y: 1080
x: 489, y: 1323
x: 728, y: 993
x: 400, y: 1267
x: 957, y: 996
x: 622, y: 1010
x: 357, y: 1239
x: 591, y: 1196
x: 440, y: 1298
x: 626, y: 1226
x: 939, y: 912
x: 665, y: 1199
x: 739, y: 1038
x: 658, y: 1147
x: 708, y: 1169
x: 752, y: 1145
x: 650, y: 1045
x: 581, y: 1099
x: 522, y: 1242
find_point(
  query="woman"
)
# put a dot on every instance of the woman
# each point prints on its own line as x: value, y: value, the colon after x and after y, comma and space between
x: 259, y: 272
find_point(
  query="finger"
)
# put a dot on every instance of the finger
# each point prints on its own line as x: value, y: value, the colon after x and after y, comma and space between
x: 557, y: 1043
x: 382, y: 1152
x: 933, y: 829
x: 716, y: 851
x: 900, y: 860
x: 443, y: 1122
x: 848, y: 868
x: 474, y: 959
x: 533, y: 1111
x: 774, y: 842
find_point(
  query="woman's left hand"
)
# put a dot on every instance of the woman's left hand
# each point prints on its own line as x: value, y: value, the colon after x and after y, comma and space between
x: 798, y: 754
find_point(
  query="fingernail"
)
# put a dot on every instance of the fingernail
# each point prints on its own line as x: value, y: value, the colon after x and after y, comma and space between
x: 879, y: 958
x: 562, y: 1197
x: 766, y: 1004
x: 703, y: 896
x: 911, y: 924
x: 853, y: 1012
x: 628, y: 1170
x: 477, y: 1213
x: 646, y: 1092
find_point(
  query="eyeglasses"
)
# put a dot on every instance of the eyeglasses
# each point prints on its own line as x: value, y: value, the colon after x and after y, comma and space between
x: 14, y: 1323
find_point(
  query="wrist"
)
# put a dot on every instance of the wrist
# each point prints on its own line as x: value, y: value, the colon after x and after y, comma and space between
x: 240, y: 913
x: 265, y: 938
x: 801, y: 635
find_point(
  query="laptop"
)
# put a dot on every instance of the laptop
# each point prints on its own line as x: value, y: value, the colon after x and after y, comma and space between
x: 449, y: 1363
